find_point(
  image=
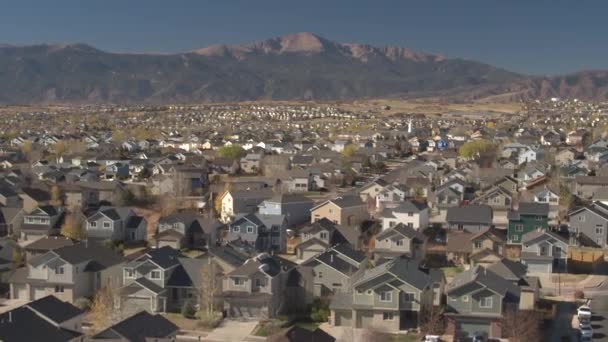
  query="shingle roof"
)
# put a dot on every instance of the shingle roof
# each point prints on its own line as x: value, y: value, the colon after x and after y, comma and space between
x: 470, y: 214
x: 529, y: 208
x: 140, y: 327
x: 483, y: 278
x: 55, y: 309
x: 23, y: 324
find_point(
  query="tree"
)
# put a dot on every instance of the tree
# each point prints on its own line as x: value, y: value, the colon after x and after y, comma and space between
x: 432, y: 321
x: 472, y: 149
x: 27, y: 148
x: 521, y: 325
x: 209, y: 289
x: 56, y: 196
x: 231, y: 151
x: 72, y: 226
x: 103, y: 311
x: 18, y: 257
x: 349, y: 150
x: 59, y: 149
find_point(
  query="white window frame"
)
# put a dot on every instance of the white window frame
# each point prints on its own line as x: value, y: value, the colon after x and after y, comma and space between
x: 483, y: 302
x: 388, y: 296
x: 160, y: 275
x: 388, y: 316
x: 59, y: 270
x: 250, y: 229
x: 107, y: 224
x: 236, y: 229
x: 93, y: 224
x: 399, y: 242
x: 237, y: 281
x: 465, y: 299
x: 409, y: 297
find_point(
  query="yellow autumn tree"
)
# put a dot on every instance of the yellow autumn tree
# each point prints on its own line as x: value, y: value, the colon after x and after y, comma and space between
x: 72, y: 226
x: 103, y: 310
x: 56, y: 196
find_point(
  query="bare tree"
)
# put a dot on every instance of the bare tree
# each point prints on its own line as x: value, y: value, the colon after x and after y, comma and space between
x: 104, y: 309
x: 432, y: 321
x: 521, y: 325
x: 210, y: 288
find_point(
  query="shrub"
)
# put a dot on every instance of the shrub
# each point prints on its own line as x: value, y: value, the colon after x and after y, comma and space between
x: 210, y: 321
x: 319, y: 311
x: 188, y: 310
x: 579, y: 294
x: 83, y: 303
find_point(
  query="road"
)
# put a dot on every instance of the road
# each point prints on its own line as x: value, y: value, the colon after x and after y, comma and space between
x: 599, y: 320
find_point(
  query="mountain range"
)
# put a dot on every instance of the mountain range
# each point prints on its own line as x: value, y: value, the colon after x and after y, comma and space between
x: 300, y: 66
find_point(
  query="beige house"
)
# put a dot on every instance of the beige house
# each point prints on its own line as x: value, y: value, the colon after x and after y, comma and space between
x: 372, y: 189
x: 346, y: 210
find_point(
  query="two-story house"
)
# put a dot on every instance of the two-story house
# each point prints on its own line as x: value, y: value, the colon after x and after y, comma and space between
x: 544, y: 251
x: 487, y: 247
x: 590, y: 222
x: 409, y: 213
x: 400, y: 240
x: 116, y: 224
x: 318, y: 237
x: 240, y: 202
x: 343, y: 210
x: 42, y: 221
x: 526, y: 218
x: 187, y: 230
x: 256, y: 289
x: 334, y: 270
x: 496, y: 197
x: 293, y: 206
x: 69, y: 272
x: 472, y: 218
x: 159, y: 280
x: 389, y: 297
x: 477, y: 300
x: 264, y: 232
x: 372, y: 189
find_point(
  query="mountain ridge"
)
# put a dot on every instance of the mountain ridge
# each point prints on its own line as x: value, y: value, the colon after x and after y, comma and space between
x: 300, y: 66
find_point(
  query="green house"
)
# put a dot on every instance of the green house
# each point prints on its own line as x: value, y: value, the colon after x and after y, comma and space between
x: 526, y: 218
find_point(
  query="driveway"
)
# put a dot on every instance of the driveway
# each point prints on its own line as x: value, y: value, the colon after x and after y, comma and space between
x: 231, y: 330
x: 599, y: 320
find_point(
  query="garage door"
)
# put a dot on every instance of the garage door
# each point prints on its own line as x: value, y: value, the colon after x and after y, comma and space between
x: 20, y: 292
x: 246, y: 312
x: 39, y: 292
x: 136, y: 304
x: 365, y: 320
x: 343, y: 318
x: 539, y: 268
x: 473, y: 327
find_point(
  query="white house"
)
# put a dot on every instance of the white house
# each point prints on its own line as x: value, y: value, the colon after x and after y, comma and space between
x: 413, y: 214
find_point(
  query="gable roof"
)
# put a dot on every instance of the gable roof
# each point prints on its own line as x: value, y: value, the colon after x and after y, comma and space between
x: 481, y: 278
x: 297, y: 334
x: 401, y: 230
x: 55, y: 309
x: 346, y: 201
x: 400, y: 269
x: 470, y: 214
x: 24, y: 324
x: 140, y: 327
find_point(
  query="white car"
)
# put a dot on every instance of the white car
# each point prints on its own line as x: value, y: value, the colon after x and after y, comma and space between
x: 431, y: 338
x: 584, y: 311
x: 586, y: 332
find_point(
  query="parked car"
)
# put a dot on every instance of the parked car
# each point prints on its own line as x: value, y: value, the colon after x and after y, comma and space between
x: 586, y: 332
x: 584, y: 311
x: 432, y: 338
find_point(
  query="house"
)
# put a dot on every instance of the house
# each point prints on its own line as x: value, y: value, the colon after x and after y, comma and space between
x: 242, y: 202
x: 372, y: 189
x: 116, y: 224
x: 591, y: 222
x: 400, y: 240
x: 496, y: 197
x: 252, y: 162
x: 69, y: 272
x: 41, y: 222
x: 140, y: 327
x: 318, y: 237
x: 45, y: 244
x: 264, y: 232
x: 472, y: 218
x: 392, y: 195
x: 45, y: 319
x: 410, y: 213
x: 587, y: 186
x: 187, y: 230
x: 334, y: 270
x: 550, y: 197
x: 297, y: 334
x: 293, y: 206
x: 477, y: 300
x: 565, y: 156
x: 522, y: 153
x: 544, y: 251
x: 295, y: 181
x: 526, y: 218
x: 487, y: 247
x: 160, y: 280
x: 33, y: 198
x: 389, y: 297
x: 343, y: 210
x: 11, y: 220
x: 257, y: 288
x: 449, y: 194
x: 458, y: 247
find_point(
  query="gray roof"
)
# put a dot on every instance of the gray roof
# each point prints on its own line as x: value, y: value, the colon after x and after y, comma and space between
x: 508, y: 269
x: 542, y: 235
x: 403, y: 230
x: 480, y: 277
x: 529, y: 208
x: 470, y: 214
x: 402, y: 269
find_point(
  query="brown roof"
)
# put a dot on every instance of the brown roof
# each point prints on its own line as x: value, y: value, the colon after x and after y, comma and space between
x: 459, y: 242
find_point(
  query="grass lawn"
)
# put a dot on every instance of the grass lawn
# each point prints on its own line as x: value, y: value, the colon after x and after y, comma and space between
x: 182, y: 322
x: 267, y: 328
x: 451, y: 271
x: 307, y: 325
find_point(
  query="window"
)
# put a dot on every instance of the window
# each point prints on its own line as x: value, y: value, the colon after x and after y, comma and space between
x: 59, y: 270
x: 387, y: 316
x: 59, y: 289
x: 519, y: 227
x: 259, y: 282
x: 106, y: 224
x: 323, y: 235
x: 331, y: 211
x: 485, y: 302
x: 238, y: 281
x: 129, y: 274
x: 515, y: 238
x: 599, y: 229
x: 235, y: 229
x: 275, y: 228
x: 581, y: 218
x: 250, y: 229
x: 465, y: 298
x: 409, y: 297
x: 399, y: 242
x: 320, y: 275
x: 369, y: 292
x: 360, y: 292
x: 391, y: 223
x: 477, y: 244
x: 155, y: 275
x: 386, y: 296
x: 93, y: 224
x: 410, y: 214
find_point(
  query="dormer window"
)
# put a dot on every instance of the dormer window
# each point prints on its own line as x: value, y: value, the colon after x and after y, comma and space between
x: 59, y: 270
x: 155, y: 275
x: 386, y: 296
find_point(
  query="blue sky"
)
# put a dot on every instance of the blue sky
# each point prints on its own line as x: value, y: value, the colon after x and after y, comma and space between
x: 530, y: 36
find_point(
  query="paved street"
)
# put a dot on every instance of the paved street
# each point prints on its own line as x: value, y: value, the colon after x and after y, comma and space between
x: 599, y: 321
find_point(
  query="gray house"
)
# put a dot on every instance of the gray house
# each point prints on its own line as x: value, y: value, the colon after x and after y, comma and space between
x: 334, y: 270
x: 187, y: 229
x: 400, y: 240
x: 590, y: 224
x: 544, y: 251
x: 264, y: 232
x: 116, y: 224
x: 318, y: 237
x: 295, y: 207
x: 42, y: 221
x: 160, y: 280
x: 69, y: 272
x: 388, y: 297
x: 257, y: 288
x: 472, y: 218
